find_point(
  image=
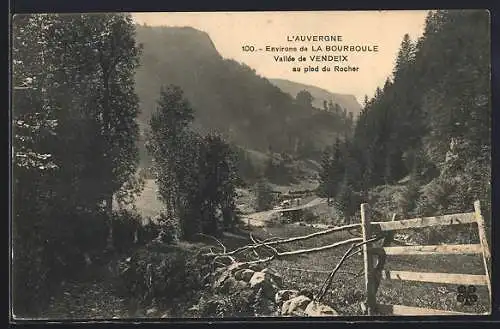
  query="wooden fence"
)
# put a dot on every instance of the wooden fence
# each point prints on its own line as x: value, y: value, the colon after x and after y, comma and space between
x: 374, y: 274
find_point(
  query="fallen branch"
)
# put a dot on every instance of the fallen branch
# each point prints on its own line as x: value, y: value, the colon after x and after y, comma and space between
x: 216, y: 240
x: 316, y: 271
x: 306, y: 251
x: 293, y: 239
x: 348, y: 254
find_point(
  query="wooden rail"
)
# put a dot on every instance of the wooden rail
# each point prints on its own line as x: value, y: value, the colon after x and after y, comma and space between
x: 444, y: 249
x: 410, y: 310
x: 449, y: 278
x: 374, y: 274
x: 456, y: 219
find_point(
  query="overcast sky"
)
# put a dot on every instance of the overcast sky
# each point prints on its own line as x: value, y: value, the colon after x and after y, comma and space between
x: 231, y: 30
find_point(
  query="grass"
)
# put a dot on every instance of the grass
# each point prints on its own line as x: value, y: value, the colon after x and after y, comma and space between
x: 347, y: 290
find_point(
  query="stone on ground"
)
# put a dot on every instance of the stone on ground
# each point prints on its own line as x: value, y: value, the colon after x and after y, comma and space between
x: 284, y: 295
x: 295, y: 306
x: 318, y: 309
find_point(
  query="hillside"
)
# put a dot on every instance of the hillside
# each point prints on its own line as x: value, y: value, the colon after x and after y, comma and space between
x: 320, y: 95
x: 228, y: 96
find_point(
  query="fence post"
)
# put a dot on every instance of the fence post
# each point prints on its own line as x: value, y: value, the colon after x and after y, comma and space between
x: 484, y: 242
x: 368, y: 260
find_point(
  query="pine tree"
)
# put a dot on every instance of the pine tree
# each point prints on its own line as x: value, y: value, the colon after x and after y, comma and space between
x: 324, y: 176
x: 405, y: 57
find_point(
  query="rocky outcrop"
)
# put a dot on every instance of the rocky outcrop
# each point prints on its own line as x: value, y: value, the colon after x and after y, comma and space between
x: 266, y: 287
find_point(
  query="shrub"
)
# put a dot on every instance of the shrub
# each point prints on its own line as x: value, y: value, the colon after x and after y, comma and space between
x: 126, y: 223
x: 309, y: 216
x: 169, y: 229
x: 160, y: 272
x: 50, y: 247
x: 264, y: 196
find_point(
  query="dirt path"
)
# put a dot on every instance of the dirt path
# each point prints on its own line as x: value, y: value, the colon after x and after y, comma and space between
x: 259, y: 219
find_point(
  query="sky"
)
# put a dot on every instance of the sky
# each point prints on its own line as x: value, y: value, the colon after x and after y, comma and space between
x: 230, y: 31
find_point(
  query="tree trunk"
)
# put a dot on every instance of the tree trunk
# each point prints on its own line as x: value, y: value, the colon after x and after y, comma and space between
x: 109, y: 212
x: 107, y: 157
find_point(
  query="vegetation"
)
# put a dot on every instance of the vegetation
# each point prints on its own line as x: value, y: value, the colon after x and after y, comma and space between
x: 74, y: 130
x: 421, y: 146
x: 264, y: 195
x: 430, y: 122
x: 195, y: 175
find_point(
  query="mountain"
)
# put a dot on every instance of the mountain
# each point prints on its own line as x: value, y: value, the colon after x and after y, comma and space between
x: 319, y: 95
x: 228, y: 96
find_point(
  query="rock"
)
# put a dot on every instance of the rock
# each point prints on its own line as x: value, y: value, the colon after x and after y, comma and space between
x: 263, y: 281
x: 229, y: 284
x: 151, y: 311
x: 238, y: 274
x: 295, y: 305
x: 240, y: 285
x: 258, y: 278
x: 307, y: 293
x: 255, y: 267
x: 276, y: 277
x: 284, y: 295
x: 233, y: 268
x: 318, y: 309
x: 247, y: 274
x: 221, y: 278
x: 263, y: 306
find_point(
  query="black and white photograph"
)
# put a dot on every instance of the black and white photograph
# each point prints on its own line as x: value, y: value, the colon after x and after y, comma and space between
x: 193, y: 165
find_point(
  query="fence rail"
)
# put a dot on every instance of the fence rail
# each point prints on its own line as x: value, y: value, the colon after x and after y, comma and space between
x: 449, y: 278
x: 444, y: 249
x: 410, y: 310
x: 455, y: 219
x: 373, y: 275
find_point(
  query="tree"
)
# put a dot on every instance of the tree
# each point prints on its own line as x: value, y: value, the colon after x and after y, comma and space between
x: 346, y: 201
x: 304, y: 99
x: 332, y: 170
x: 264, y: 195
x: 196, y: 175
x: 67, y: 121
x: 218, y: 175
x: 98, y: 71
x: 366, y: 101
x: 175, y: 153
x: 406, y: 56
x: 324, y: 175
x: 434, y: 106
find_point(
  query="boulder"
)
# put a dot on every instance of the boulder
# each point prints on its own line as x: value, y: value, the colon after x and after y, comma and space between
x: 284, y: 295
x: 257, y: 279
x: 238, y: 274
x: 318, y: 309
x: 233, y: 268
x: 255, y: 267
x: 263, y: 305
x: 240, y: 285
x: 307, y: 292
x: 220, y: 279
x: 151, y: 311
x: 263, y: 281
x: 229, y: 284
x: 247, y: 274
x: 275, y: 276
x: 295, y: 306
